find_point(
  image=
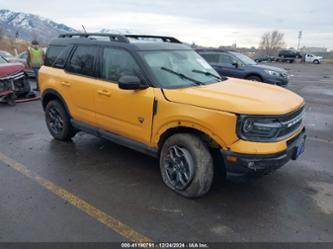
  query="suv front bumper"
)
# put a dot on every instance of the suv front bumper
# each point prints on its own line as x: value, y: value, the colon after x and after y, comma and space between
x: 248, y: 164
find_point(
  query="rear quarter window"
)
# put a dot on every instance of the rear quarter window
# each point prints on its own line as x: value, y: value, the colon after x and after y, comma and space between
x: 52, y: 53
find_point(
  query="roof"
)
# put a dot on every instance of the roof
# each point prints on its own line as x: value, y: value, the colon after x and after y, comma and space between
x: 134, y: 42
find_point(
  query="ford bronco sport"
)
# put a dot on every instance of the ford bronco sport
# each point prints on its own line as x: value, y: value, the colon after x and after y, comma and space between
x: 158, y: 96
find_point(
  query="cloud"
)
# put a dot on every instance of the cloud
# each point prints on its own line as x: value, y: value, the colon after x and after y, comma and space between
x: 205, y: 22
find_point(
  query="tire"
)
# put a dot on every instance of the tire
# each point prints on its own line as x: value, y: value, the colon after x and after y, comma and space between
x: 186, y: 165
x: 254, y: 78
x: 11, y: 99
x: 58, y: 121
x: 316, y: 62
x: 27, y: 87
x: 22, y: 91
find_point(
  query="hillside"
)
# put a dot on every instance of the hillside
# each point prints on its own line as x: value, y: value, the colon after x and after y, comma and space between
x: 29, y: 26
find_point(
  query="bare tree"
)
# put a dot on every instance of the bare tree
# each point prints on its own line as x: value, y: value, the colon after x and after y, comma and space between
x: 271, y: 42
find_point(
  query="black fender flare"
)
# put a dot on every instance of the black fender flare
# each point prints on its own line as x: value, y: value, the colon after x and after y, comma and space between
x: 51, y: 94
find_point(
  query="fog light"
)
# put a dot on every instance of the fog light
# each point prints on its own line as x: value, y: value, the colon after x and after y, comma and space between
x: 231, y: 158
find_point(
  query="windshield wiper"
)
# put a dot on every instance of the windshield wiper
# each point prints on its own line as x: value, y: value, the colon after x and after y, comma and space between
x: 183, y: 76
x: 209, y: 74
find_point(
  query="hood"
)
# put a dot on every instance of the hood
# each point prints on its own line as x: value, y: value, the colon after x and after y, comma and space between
x: 266, y: 67
x: 238, y: 96
x: 7, y: 69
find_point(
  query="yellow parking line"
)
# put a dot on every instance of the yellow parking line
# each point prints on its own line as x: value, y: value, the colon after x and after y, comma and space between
x: 84, y: 206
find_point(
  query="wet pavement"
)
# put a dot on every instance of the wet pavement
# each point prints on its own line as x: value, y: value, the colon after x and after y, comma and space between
x: 293, y: 204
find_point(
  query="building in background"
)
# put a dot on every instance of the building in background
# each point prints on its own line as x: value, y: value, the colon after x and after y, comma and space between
x: 313, y: 50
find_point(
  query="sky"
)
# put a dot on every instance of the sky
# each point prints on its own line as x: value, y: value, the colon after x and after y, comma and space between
x: 208, y: 23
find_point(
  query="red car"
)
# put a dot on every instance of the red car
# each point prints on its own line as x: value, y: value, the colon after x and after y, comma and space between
x: 14, y: 72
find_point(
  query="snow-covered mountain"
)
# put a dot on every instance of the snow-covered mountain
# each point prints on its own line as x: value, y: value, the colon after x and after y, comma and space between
x: 118, y: 31
x: 30, y: 26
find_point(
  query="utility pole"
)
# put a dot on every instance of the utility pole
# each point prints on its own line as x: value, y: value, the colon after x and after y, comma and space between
x: 299, y: 39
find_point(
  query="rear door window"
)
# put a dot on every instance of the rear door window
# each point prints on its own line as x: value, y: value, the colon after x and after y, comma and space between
x: 211, y: 58
x: 83, y: 61
x: 225, y: 59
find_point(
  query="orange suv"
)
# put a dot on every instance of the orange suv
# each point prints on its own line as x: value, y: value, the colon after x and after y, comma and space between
x: 158, y: 96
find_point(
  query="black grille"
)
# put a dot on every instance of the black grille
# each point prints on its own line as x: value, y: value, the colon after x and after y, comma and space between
x: 5, y: 85
x: 290, y: 123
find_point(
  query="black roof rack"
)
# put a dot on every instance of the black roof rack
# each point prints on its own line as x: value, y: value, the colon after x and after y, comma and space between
x: 147, y: 37
x: 113, y: 37
x: 120, y: 38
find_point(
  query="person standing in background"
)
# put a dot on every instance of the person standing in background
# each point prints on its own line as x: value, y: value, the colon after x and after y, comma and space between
x: 35, y: 59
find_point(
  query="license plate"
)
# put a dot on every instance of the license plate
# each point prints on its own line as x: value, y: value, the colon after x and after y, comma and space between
x: 299, y: 149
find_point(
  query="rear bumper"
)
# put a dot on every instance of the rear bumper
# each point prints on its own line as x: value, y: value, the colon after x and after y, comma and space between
x: 247, y: 164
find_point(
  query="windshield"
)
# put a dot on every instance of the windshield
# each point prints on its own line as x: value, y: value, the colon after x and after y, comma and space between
x: 5, y: 54
x: 179, y: 68
x: 244, y: 59
x: 2, y: 60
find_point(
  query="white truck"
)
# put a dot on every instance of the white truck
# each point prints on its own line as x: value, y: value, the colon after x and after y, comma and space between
x: 313, y: 58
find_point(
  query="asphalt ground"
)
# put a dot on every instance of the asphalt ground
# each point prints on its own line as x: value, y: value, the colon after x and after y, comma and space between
x: 93, y: 190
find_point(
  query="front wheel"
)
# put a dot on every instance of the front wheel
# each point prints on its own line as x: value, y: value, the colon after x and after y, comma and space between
x: 58, y: 121
x: 254, y: 78
x: 11, y: 99
x: 187, y: 165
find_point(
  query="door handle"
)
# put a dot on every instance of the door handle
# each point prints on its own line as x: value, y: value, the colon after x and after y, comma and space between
x: 65, y: 83
x: 104, y: 92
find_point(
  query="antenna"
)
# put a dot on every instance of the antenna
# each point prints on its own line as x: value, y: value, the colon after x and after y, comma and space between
x: 85, y: 31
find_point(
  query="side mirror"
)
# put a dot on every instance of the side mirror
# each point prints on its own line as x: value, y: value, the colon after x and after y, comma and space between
x: 235, y: 64
x: 130, y: 82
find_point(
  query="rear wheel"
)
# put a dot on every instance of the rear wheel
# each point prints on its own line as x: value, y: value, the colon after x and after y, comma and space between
x: 58, y: 121
x: 316, y: 61
x: 187, y: 165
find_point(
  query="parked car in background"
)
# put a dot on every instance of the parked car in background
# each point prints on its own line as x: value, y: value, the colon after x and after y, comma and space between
x: 289, y: 53
x: 261, y: 58
x: 6, y: 55
x: 22, y: 58
x: 313, y: 58
x: 14, y: 71
x: 237, y: 65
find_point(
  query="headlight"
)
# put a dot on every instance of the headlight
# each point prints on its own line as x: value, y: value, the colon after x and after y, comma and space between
x: 269, y: 128
x: 258, y: 129
x: 273, y: 73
